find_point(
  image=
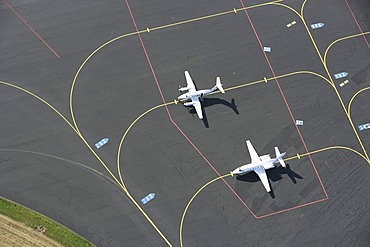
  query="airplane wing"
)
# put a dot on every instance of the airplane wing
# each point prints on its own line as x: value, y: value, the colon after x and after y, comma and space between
x: 263, y: 176
x: 252, y: 152
x: 198, y: 107
x: 190, y: 83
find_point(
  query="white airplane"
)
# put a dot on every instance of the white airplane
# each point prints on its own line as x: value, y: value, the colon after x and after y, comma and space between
x: 196, y: 96
x: 259, y: 164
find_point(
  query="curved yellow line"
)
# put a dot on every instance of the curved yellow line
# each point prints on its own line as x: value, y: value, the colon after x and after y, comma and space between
x: 233, y: 11
x: 287, y: 159
x: 40, y: 99
x: 75, y: 126
x: 62, y: 159
x: 303, y: 72
x: 65, y: 120
x: 126, y: 132
x: 301, y: 16
x: 130, y: 197
x: 145, y: 31
x: 90, y: 169
x: 353, y: 97
x: 302, y: 8
x: 101, y: 161
x: 191, y: 200
x: 341, y: 39
x: 80, y: 68
x: 120, y: 176
x: 226, y: 89
x: 328, y: 148
x: 327, y: 70
x: 338, y: 95
x: 158, y: 106
x: 334, y: 87
x: 117, y: 38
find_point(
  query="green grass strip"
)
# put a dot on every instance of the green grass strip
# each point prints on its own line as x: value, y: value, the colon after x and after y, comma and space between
x: 54, y: 230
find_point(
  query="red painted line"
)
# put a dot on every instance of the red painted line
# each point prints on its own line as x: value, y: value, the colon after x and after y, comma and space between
x: 358, y: 25
x: 29, y: 26
x: 286, y: 102
x: 292, y: 208
x: 170, y: 116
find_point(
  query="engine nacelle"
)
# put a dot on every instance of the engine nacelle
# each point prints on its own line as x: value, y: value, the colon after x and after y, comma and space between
x: 181, y: 89
x: 188, y: 104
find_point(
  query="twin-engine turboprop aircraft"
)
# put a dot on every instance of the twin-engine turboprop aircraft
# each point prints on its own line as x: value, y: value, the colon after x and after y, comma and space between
x: 196, y: 96
x: 259, y: 164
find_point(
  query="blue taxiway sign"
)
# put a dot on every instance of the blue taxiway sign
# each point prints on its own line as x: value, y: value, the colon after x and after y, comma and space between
x: 364, y: 127
x: 102, y: 142
x: 317, y: 25
x: 149, y: 197
x: 340, y: 75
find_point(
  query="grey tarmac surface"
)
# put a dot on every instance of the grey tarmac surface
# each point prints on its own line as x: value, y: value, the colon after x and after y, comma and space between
x: 320, y: 200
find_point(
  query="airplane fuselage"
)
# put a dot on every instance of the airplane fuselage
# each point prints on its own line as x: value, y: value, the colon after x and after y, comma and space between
x: 197, y: 94
x: 266, y: 164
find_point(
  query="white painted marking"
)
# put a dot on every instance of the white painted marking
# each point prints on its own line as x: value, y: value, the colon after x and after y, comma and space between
x: 267, y: 49
x: 291, y: 23
x: 299, y: 122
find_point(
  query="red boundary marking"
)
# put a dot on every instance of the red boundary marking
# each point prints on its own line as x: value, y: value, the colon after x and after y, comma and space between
x: 292, y: 208
x: 291, y: 115
x: 358, y: 25
x: 170, y: 116
x: 29, y: 26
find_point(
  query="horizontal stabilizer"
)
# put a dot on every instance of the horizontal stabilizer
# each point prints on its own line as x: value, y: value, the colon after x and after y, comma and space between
x: 219, y: 85
x: 279, y: 157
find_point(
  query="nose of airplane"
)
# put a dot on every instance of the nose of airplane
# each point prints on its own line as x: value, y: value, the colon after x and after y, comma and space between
x: 236, y: 171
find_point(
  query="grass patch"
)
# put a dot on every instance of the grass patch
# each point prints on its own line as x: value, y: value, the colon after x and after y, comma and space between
x: 32, y: 219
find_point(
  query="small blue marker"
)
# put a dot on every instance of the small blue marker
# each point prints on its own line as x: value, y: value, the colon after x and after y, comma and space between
x: 317, y: 25
x: 340, y: 75
x: 148, y: 198
x: 364, y: 127
x: 102, y: 142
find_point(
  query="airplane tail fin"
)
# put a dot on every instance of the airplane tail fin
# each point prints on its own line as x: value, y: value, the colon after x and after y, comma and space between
x: 218, y: 85
x: 279, y: 157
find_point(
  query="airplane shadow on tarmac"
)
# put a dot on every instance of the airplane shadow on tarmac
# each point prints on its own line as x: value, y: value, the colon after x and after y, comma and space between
x: 210, y: 102
x: 274, y: 174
